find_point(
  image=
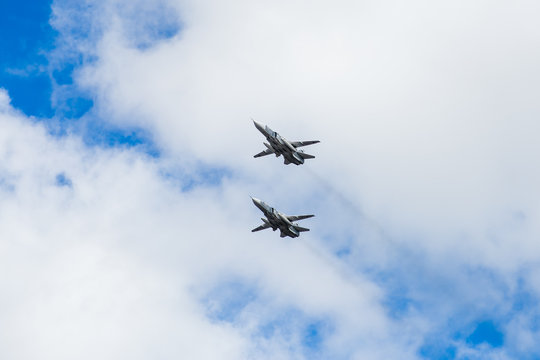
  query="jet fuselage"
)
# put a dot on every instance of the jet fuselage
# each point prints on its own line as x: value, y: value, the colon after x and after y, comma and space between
x: 277, y: 220
x: 280, y: 146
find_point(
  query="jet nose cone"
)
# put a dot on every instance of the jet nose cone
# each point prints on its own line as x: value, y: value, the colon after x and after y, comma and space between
x: 255, y: 200
x: 258, y: 125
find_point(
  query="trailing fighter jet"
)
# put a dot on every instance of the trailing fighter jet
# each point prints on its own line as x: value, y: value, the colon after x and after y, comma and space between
x: 280, y: 146
x: 276, y: 220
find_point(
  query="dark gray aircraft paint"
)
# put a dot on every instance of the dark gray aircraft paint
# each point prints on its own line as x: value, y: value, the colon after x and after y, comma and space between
x: 276, y: 220
x: 280, y: 146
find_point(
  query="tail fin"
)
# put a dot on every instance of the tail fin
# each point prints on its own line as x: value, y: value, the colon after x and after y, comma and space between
x: 307, y: 156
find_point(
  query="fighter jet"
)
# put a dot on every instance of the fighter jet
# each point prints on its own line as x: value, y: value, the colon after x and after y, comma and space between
x: 276, y: 220
x: 280, y: 146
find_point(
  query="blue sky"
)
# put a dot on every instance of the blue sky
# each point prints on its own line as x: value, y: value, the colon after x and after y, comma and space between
x: 26, y: 40
x: 424, y: 243
x: 33, y: 69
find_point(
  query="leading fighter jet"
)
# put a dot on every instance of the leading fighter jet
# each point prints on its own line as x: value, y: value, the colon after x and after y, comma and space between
x: 276, y: 220
x: 280, y: 146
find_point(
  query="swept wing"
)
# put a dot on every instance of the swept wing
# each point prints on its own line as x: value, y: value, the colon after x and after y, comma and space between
x: 262, y: 227
x: 299, y: 217
x: 304, y: 143
x: 263, y: 153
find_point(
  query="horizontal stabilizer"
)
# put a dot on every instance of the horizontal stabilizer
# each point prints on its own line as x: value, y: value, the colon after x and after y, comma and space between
x: 299, y: 217
x: 262, y: 227
x: 301, y: 229
x: 263, y: 153
x: 306, y: 156
x: 304, y: 143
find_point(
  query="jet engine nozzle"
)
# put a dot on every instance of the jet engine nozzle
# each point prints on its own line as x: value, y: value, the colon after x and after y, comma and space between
x: 294, y: 231
x: 298, y: 157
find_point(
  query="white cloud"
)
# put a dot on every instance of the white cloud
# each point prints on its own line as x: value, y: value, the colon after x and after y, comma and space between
x: 426, y: 173
x: 75, y: 282
x: 115, y: 264
x: 436, y: 96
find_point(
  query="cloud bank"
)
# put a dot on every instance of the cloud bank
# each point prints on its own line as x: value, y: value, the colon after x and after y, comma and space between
x: 425, y: 243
